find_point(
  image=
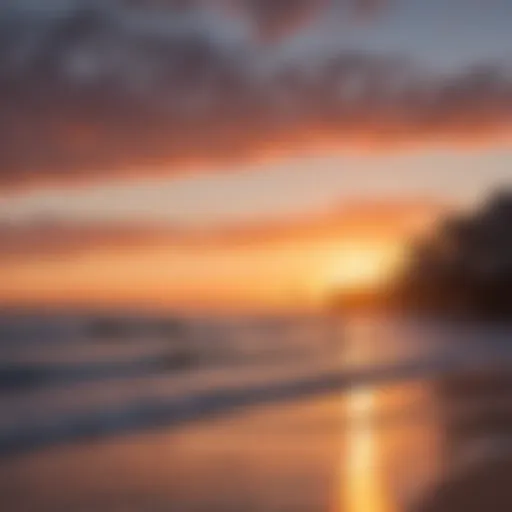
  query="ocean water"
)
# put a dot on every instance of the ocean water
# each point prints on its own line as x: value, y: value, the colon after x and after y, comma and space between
x: 284, y: 414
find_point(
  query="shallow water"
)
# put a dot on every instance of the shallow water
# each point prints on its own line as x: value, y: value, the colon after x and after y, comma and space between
x: 367, y: 448
x: 328, y: 454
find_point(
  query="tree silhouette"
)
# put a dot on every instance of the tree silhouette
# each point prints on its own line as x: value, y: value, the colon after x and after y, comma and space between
x: 465, y: 267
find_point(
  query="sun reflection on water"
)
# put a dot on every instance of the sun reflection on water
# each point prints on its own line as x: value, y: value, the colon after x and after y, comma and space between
x: 363, y: 488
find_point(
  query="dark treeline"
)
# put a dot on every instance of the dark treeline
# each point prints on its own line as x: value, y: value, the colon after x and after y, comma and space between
x: 465, y: 267
x: 462, y: 269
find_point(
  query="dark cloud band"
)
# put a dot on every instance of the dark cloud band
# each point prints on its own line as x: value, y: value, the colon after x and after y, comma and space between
x: 98, y: 90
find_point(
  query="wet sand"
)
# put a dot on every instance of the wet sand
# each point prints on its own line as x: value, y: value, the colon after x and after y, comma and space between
x: 332, y: 454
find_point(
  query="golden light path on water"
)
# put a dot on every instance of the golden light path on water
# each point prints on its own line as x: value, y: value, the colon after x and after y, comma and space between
x: 362, y: 487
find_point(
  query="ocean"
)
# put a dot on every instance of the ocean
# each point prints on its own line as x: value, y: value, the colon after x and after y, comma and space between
x: 263, y: 414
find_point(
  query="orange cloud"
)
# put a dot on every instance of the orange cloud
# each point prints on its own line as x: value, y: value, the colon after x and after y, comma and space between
x: 365, y: 220
x: 279, y: 265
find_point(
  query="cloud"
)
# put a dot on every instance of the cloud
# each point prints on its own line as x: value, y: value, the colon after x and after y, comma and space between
x: 94, y: 90
x: 287, y: 262
x: 50, y: 239
x: 273, y: 18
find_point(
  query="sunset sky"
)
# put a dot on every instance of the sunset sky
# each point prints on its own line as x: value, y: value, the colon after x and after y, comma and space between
x: 239, y: 154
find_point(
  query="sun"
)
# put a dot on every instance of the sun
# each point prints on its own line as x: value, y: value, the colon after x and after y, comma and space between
x: 364, y: 267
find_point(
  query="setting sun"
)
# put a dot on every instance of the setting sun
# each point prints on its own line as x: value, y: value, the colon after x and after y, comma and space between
x: 363, y: 267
